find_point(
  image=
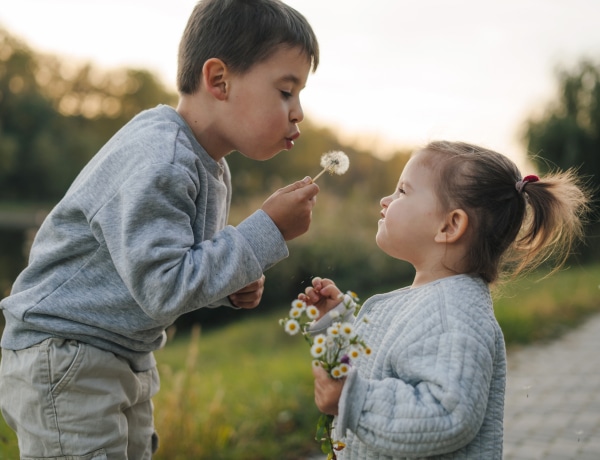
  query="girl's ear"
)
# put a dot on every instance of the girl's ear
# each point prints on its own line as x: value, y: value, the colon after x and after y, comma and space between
x: 214, y: 78
x: 453, y: 228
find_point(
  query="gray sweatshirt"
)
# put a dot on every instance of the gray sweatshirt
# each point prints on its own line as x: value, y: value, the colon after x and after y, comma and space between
x: 139, y: 239
x: 434, y: 384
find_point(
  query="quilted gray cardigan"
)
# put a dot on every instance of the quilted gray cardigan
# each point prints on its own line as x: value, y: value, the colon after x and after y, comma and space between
x: 434, y: 384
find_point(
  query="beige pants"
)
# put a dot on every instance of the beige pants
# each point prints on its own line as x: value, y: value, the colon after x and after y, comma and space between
x: 70, y: 401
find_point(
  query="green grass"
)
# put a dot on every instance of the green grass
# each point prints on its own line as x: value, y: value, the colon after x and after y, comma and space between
x: 245, y: 391
x: 538, y: 309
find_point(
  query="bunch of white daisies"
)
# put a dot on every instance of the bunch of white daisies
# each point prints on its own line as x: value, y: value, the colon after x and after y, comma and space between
x: 339, y: 346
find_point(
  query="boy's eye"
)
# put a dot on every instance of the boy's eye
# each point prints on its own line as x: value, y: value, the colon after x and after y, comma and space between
x: 401, y: 191
x: 286, y: 94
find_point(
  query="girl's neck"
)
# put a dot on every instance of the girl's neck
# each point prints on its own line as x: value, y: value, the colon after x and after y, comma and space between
x: 423, y: 277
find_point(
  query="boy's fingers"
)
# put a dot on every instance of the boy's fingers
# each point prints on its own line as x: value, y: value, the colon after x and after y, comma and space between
x: 310, y: 189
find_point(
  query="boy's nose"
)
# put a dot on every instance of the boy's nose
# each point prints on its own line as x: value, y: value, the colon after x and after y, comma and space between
x: 297, y: 114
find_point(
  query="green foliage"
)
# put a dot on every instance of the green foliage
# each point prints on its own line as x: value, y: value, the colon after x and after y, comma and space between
x: 567, y: 135
x: 55, y: 115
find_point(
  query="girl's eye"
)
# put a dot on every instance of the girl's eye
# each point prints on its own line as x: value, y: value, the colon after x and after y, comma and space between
x: 286, y: 94
x: 401, y: 191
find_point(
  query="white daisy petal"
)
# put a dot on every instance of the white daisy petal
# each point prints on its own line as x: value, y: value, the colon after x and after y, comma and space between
x: 292, y: 327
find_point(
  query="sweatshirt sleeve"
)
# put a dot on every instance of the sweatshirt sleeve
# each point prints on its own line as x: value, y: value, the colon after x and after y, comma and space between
x: 147, y: 227
x: 434, y: 404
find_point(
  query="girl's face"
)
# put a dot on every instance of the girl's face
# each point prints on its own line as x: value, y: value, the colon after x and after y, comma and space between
x: 265, y: 104
x: 411, y: 216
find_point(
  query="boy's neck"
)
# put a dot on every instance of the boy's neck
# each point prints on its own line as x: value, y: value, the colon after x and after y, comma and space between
x: 196, y: 112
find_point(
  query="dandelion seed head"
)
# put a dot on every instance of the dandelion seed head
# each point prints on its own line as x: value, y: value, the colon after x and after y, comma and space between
x: 335, y: 162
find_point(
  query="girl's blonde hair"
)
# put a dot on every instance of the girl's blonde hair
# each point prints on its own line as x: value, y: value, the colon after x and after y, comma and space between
x: 513, y: 226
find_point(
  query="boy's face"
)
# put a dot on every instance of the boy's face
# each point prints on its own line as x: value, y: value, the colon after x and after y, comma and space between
x: 264, y: 104
x: 411, y: 216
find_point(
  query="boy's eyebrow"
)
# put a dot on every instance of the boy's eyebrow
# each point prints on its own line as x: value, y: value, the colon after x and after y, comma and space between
x: 291, y: 78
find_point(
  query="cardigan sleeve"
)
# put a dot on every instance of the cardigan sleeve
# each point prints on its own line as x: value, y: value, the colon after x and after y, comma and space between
x: 433, y: 403
x: 342, y: 312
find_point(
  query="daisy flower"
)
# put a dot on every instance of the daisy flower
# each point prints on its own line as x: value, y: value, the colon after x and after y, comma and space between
x: 347, y: 330
x: 354, y: 352
x: 317, y: 350
x: 333, y: 331
x: 312, y: 312
x: 299, y: 304
x: 344, y: 369
x: 295, y: 313
x: 292, y: 327
x: 320, y: 339
x: 336, y: 372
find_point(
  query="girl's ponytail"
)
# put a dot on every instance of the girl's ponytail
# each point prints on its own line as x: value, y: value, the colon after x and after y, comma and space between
x: 556, y: 206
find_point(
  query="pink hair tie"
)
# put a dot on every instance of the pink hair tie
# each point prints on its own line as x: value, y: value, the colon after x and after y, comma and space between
x: 520, y: 185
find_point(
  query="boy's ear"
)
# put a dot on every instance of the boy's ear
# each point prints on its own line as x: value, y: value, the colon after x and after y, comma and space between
x: 453, y: 227
x: 214, y: 78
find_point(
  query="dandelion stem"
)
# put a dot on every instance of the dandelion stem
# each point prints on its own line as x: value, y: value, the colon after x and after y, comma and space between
x: 319, y: 175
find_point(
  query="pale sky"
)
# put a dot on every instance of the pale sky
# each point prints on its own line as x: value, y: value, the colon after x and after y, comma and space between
x: 395, y: 72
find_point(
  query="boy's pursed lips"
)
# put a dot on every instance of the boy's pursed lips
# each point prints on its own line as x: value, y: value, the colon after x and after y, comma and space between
x: 290, y: 139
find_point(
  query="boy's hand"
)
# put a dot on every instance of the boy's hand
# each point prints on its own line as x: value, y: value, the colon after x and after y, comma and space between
x: 249, y: 296
x: 327, y: 391
x: 323, y: 294
x: 290, y: 207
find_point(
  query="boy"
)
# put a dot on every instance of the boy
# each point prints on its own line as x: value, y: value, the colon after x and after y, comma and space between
x: 140, y: 238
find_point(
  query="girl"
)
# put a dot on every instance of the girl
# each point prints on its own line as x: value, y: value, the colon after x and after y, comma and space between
x: 434, y: 384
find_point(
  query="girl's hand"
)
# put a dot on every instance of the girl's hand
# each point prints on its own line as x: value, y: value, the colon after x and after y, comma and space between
x: 327, y: 391
x: 323, y: 294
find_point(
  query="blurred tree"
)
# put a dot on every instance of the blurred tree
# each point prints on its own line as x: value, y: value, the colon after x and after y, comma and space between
x: 567, y: 135
x: 55, y: 115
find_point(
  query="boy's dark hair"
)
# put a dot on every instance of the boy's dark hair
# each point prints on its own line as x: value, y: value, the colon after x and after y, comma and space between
x: 510, y: 229
x: 241, y: 33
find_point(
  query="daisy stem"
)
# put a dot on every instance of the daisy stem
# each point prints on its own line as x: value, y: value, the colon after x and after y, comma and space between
x: 328, y: 431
